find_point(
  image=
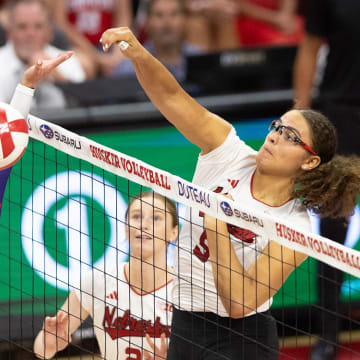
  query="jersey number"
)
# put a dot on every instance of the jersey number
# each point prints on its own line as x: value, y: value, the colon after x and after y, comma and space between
x: 203, y: 253
x: 242, y: 234
x: 135, y: 354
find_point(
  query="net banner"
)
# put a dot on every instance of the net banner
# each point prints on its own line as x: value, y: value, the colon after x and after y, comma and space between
x: 195, y: 196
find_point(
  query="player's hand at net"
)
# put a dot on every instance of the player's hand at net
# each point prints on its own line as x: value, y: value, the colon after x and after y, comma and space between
x: 43, y: 68
x: 158, y: 353
x: 125, y: 39
x: 56, y: 331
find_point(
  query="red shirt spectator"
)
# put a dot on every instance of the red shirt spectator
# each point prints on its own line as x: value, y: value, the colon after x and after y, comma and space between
x: 84, y: 22
x: 269, y: 22
x: 92, y: 18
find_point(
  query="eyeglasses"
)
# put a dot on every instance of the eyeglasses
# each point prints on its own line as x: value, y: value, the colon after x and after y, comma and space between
x: 289, y: 134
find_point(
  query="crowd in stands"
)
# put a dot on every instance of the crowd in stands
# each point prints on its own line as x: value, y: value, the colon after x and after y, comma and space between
x: 170, y: 29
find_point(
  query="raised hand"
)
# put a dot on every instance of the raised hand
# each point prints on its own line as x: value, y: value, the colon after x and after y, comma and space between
x: 117, y: 35
x: 158, y: 353
x: 56, y: 331
x: 43, y: 67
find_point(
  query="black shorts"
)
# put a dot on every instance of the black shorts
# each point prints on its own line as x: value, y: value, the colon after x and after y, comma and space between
x: 207, y: 336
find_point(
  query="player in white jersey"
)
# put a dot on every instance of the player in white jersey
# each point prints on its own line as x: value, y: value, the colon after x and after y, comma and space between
x: 129, y: 304
x: 223, y: 288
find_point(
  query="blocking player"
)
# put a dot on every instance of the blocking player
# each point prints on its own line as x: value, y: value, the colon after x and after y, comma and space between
x: 129, y: 304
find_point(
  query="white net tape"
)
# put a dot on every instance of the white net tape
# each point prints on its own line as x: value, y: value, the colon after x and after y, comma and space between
x: 187, y: 193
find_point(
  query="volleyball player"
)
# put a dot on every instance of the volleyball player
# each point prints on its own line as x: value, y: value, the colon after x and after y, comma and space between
x: 216, y: 314
x: 132, y: 300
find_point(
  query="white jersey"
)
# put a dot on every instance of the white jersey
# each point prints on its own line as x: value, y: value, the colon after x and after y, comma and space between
x: 121, y: 315
x: 227, y: 169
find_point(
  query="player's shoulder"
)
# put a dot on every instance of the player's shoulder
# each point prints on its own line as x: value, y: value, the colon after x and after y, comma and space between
x: 299, y: 215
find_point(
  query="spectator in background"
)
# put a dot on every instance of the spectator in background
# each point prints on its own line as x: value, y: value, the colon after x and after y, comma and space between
x: 3, y: 22
x: 59, y: 39
x: 166, y: 28
x: 269, y: 22
x: 85, y: 21
x: 337, y: 24
x: 211, y: 24
x: 29, y: 33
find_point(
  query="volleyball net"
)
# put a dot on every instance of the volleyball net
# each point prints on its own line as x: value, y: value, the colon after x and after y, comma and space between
x: 64, y: 216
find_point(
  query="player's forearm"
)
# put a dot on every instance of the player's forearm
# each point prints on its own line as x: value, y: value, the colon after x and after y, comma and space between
x: 42, y: 350
x: 240, y: 291
x: 223, y: 279
x: 197, y: 124
x: 180, y: 109
x: 226, y: 268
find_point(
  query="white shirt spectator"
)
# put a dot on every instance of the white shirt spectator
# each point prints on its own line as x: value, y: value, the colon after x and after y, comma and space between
x: 47, y: 94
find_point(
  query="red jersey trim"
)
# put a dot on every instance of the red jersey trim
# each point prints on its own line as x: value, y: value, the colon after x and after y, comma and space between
x: 262, y: 202
x: 146, y: 293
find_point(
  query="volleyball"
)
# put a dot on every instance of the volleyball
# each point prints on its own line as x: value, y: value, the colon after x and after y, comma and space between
x: 14, y: 136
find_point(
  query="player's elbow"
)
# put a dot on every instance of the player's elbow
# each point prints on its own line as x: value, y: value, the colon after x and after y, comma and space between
x: 236, y: 311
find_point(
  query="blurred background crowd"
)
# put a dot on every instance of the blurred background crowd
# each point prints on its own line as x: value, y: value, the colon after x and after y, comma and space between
x: 293, y: 50
x: 172, y: 30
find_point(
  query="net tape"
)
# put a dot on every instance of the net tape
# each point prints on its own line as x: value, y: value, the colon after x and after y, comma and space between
x: 189, y: 194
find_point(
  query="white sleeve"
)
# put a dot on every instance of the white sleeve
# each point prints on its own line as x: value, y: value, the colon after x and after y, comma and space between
x: 91, y: 288
x: 232, y: 147
x: 231, y: 155
x: 22, y: 99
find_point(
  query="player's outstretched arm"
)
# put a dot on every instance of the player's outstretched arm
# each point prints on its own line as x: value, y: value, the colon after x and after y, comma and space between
x: 242, y: 291
x: 56, y: 332
x: 197, y: 124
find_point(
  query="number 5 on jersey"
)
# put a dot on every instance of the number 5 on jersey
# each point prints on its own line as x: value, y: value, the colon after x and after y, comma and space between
x: 202, y: 251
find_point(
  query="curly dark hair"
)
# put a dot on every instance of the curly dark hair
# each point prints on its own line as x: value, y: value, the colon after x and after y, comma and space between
x: 331, y: 189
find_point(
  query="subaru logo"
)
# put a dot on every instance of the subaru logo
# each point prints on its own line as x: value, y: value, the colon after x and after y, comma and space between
x: 46, y: 131
x: 225, y: 207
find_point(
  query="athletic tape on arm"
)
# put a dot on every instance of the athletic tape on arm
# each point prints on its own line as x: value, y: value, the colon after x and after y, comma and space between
x: 174, y: 187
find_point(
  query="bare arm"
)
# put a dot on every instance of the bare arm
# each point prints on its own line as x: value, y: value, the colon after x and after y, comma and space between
x: 304, y: 69
x: 56, y: 332
x: 241, y: 291
x: 197, y: 124
x: 123, y: 13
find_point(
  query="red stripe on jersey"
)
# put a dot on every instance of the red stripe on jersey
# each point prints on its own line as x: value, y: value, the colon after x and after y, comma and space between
x: 233, y: 183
